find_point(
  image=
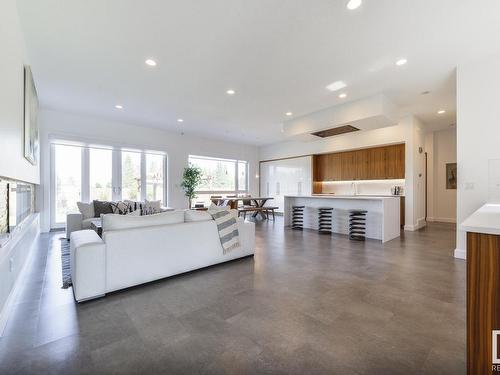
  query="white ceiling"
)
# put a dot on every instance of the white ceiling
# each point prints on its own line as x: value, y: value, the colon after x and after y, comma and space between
x: 278, y: 55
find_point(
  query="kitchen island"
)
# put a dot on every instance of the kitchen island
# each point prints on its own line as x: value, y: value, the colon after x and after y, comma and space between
x: 382, y: 219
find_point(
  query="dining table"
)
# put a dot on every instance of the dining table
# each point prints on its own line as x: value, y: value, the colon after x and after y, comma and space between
x: 257, y: 202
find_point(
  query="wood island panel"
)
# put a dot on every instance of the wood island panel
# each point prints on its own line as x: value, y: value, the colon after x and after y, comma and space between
x: 483, y: 300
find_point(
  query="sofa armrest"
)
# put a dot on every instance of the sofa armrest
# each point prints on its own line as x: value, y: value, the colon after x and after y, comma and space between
x: 73, y: 223
x: 88, y: 265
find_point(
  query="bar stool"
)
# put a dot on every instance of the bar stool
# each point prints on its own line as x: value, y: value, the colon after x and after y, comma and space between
x: 325, y: 220
x: 357, y: 225
x: 298, y: 217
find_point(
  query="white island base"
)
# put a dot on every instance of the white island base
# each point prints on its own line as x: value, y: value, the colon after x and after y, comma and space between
x: 382, y: 219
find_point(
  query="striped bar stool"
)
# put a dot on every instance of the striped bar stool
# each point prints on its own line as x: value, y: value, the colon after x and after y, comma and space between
x: 298, y: 217
x: 357, y: 225
x: 325, y: 220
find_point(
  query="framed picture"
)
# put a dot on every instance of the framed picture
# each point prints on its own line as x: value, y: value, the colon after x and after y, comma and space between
x: 451, y: 176
x: 31, y: 140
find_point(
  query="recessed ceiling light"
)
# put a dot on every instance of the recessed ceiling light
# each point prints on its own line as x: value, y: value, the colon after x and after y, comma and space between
x: 150, y: 62
x: 230, y: 92
x: 441, y: 111
x: 289, y: 114
x: 335, y: 86
x: 343, y: 95
x: 118, y: 106
x: 180, y: 120
x: 354, y: 4
x: 401, y: 62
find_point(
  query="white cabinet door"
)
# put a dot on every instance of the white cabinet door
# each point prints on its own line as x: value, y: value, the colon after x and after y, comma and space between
x: 285, y: 177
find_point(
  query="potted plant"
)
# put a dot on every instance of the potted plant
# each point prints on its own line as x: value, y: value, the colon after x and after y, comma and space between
x: 191, y: 178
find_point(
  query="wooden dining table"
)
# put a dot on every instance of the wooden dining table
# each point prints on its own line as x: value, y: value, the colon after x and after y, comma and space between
x: 258, y: 202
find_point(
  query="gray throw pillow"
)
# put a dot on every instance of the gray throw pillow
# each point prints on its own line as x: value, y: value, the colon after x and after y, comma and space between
x: 102, y: 208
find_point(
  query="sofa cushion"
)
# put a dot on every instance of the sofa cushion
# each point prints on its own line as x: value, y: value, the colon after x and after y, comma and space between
x: 102, y: 208
x: 112, y: 222
x: 194, y: 215
x: 86, y: 209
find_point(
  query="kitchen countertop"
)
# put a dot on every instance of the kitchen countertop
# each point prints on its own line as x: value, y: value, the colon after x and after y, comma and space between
x: 485, y: 220
x: 335, y: 196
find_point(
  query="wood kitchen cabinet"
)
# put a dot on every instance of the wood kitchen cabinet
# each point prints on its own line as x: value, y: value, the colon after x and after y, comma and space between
x: 395, y: 161
x: 377, y: 163
x: 377, y: 169
x: 348, y: 166
x: 361, y: 160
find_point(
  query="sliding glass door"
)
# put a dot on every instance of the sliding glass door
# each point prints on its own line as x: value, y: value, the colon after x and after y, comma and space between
x: 67, y: 180
x: 131, y: 176
x: 100, y: 174
x: 155, y: 177
x: 87, y: 173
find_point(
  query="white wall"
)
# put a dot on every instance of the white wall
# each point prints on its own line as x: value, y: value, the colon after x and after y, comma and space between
x: 478, y: 136
x: 177, y: 146
x: 409, y: 130
x: 442, y: 149
x: 13, y: 165
x: 12, y: 61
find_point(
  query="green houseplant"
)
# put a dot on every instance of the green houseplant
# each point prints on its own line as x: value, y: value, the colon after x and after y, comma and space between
x: 191, y: 178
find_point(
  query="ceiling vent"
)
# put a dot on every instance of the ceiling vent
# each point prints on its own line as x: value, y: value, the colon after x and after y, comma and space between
x: 335, y: 131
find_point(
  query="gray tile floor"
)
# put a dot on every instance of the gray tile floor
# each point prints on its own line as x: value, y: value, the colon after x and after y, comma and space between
x: 306, y: 304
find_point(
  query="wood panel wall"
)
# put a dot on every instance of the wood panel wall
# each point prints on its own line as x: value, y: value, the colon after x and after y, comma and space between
x: 377, y: 163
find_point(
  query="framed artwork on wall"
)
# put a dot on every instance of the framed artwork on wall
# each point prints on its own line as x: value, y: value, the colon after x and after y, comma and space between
x: 31, y: 140
x: 451, y: 176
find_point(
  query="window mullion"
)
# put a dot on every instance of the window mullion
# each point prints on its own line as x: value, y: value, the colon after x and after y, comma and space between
x: 236, y: 177
x: 143, y: 177
x: 85, y: 175
x: 116, y: 172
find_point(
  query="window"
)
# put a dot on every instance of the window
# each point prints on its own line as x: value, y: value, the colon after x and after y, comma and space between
x: 100, y: 165
x: 68, y: 180
x: 242, y: 176
x: 87, y: 173
x: 220, y: 177
x: 131, y: 176
x: 154, y: 177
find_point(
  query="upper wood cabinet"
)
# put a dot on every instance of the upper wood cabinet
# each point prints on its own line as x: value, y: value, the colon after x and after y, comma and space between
x: 377, y: 166
x: 375, y: 163
x: 395, y: 160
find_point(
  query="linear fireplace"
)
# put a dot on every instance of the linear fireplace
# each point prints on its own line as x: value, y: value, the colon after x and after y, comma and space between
x: 17, y: 202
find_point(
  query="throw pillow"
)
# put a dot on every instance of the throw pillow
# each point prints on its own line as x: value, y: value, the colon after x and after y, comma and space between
x: 86, y: 209
x: 151, y: 207
x: 102, y: 207
x: 132, y: 206
x: 120, y: 208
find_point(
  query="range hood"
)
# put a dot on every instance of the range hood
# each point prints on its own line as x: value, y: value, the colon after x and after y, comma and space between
x: 365, y: 114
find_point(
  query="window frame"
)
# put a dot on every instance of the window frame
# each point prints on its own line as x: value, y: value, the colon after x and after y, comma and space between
x: 116, y: 171
x: 236, y: 163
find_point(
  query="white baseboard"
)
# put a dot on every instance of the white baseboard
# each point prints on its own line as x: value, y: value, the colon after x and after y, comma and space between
x: 420, y: 224
x: 442, y: 220
x: 460, y: 254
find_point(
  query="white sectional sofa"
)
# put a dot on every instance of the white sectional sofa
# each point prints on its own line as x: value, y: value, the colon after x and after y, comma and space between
x: 137, y: 250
